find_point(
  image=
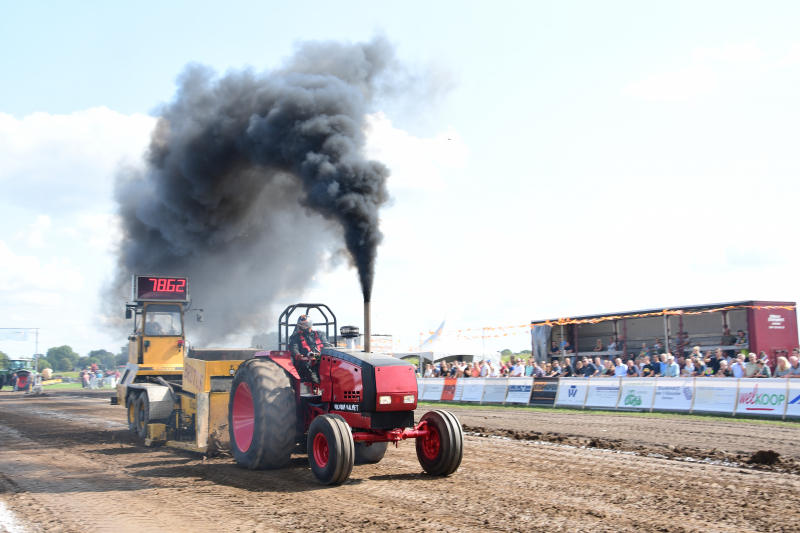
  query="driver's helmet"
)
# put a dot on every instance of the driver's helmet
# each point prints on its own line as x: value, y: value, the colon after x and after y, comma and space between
x: 304, y: 323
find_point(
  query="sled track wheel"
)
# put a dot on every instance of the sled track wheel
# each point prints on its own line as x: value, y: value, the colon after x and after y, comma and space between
x: 441, y: 450
x: 262, y: 416
x: 330, y: 449
x: 142, y: 415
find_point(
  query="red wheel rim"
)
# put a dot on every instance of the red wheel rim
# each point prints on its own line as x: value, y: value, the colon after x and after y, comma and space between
x: 431, y: 444
x: 243, y: 417
x: 321, y: 452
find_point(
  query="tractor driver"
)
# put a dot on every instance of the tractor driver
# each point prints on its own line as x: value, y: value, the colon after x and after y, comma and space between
x: 305, y: 341
x: 151, y: 327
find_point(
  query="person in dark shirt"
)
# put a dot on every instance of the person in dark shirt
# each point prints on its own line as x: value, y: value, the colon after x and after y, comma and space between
x: 568, y: 370
x: 712, y: 361
x: 305, y: 343
x: 589, y: 369
x: 554, y: 350
x: 650, y: 369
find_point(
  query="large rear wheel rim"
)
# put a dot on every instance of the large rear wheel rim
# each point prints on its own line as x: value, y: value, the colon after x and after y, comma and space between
x: 321, y: 451
x: 431, y: 444
x: 243, y: 417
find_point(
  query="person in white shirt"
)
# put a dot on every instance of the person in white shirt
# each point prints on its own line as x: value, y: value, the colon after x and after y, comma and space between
x: 493, y: 372
x: 620, y: 369
x: 428, y: 371
x: 517, y: 371
x: 737, y: 367
x: 484, y: 369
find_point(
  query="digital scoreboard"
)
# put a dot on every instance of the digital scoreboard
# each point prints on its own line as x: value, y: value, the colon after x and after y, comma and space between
x: 160, y: 289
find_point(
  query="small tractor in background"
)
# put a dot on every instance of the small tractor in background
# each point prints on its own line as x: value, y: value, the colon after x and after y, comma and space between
x: 24, y: 370
x: 254, y: 404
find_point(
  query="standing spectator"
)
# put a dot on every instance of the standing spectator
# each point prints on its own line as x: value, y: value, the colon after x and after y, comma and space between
x: 598, y: 346
x: 751, y: 368
x: 645, y: 350
x: 724, y: 371
x: 476, y: 370
x: 696, y: 352
x: 14, y: 380
x: 671, y: 370
x: 428, y: 370
x: 606, y: 369
x: 568, y: 348
x: 713, y: 362
x: 578, y: 369
x: 529, y: 367
x: 688, y: 369
x: 517, y: 371
x: 555, y: 351
x: 741, y: 338
x: 662, y: 365
x: 658, y: 347
x: 647, y: 370
x: 612, y: 344
x: 484, y: 369
x: 632, y: 370
x: 589, y: 369
x: 737, y: 367
x: 794, y: 367
x: 700, y: 367
x: 556, y: 370
x: 782, y: 370
x: 727, y: 338
x: 493, y: 372
x: 538, y: 372
x: 568, y: 370
x: 620, y: 370
x: 763, y: 370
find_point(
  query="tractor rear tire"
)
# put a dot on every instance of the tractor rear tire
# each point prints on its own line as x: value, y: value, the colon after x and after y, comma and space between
x: 132, y: 413
x: 440, y: 452
x: 142, y: 415
x: 330, y: 449
x: 370, y: 455
x: 262, y: 416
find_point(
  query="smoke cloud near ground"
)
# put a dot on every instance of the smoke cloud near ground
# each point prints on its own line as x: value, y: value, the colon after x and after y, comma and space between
x: 253, y: 179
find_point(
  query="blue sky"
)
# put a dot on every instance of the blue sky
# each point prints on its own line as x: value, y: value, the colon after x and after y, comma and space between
x: 603, y: 156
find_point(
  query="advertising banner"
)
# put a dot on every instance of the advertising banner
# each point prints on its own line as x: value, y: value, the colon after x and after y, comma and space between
x: 420, y: 387
x: 674, y: 394
x: 495, y: 390
x: 519, y: 390
x: 571, y: 392
x: 715, y: 395
x: 433, y: 389
x: 793, y: 405
x: 637, y: 393
x: 602, y: 392
x: 473, y: 390
x: 762, y: 397
x: 459, y: 390
x: 544, y: 391
x: 449, y: 391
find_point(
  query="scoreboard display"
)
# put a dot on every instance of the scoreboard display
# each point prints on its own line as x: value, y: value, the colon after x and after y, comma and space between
x: 160, y: 289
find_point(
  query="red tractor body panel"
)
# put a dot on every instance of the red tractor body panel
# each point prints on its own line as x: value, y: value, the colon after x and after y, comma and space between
x: 396, y: 382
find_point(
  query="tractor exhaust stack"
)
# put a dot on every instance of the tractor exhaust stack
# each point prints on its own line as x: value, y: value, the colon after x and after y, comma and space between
x: 367, y: 328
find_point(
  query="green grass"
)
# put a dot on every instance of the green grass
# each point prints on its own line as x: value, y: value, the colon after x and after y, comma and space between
x: 66, y: 374
x: 59, y: 386
x: 545, y: 409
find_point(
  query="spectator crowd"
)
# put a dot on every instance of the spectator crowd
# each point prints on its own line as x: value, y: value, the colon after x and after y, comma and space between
x: 649, y: 363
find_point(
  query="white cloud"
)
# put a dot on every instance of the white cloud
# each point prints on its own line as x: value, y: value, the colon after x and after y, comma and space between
x: 674, y: 86
x: 20, y: 275
x: 34, y: 234
x: 415, y: 162
x: 731, y: 52
x: 64, y: 163
x: 792, y: 58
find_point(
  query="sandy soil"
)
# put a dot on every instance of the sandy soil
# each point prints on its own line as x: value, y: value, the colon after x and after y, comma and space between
x: 68, y: 463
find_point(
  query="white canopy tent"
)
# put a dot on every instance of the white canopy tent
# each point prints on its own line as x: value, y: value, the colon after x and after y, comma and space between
x: 436, y: 348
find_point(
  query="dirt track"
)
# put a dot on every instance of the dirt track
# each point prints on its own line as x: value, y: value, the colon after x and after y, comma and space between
x: 67, y: 463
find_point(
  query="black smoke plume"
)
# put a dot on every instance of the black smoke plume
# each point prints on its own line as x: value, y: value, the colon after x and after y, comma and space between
x: 253, y: 178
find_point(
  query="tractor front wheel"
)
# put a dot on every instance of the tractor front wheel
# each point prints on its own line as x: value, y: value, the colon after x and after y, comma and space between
x: 330, y: 449
x: 441, y: 450
x: 262, y: 415
x: 372, y: 454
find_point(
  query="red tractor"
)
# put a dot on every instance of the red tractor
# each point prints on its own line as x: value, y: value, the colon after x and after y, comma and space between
x: 363, y: 402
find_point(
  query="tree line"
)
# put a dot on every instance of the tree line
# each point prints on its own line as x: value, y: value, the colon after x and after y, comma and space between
x: 64, y: 358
